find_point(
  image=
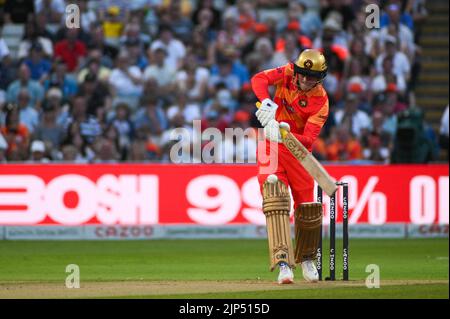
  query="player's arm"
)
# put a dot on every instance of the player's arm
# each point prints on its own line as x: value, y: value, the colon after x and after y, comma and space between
x: 262, y: 80
x: 314, y: 124
x: 260, y: 85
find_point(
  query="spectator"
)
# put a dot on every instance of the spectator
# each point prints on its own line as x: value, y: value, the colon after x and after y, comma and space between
x: 108, y: 53
x: 393, y: 98
x: 293, y: 28
x: 335, y: 55
x: 31, y: 37
x: 375, y: 151
x: 246, y: 12
x: 387, y: 76
x: 18, y: 11
x: 401, y: 64
x: 76, y: 147
x: 48, y: 130
x: 230, y: 39
x: 289, y: 53
x: 105, y: 151
x: 377, y: 129
x: 355, y: 81
x: 403, y: 35
x: 193, y: 79
x: 207, y: 24
x: 138, y: 151
x: 37, y: 151
x: 113, y: 24
x: 94, y: 66
x: 356, y: 120
x: 343, y: 147
x: 71, y: 50
x: 152, y: 116
x: 225, y: 76
x: 70, y: 153
x: 201, y: 48
x: 207, y: 6
x: 393, y: 15
x: 135, y: 50
x: 341, y: 8
x: 16, y: 135
x: 126, y: 81
x: 88, y: 16
x: 46, y: 30
x: 118, y: 7
x: 167, y: 140
x: 160, y: 69
x: 59, y: 78
x: 381, y: 103
x: 265, y: 49
x: 39, y: 66
x: 124, y: 126
x: 88, y: 125
x: 224, y: 104
x: 111, y: 133
x: 309, y: 19
x: 35, y: 89
x: 243, y: 150
x: 175, y: 48
x: 7, y: 67
x: 334, y: 32
x: 186, y: 6
x: 28, y: 114
x: 181, y: 25
x: 191, y: 111
x: 357, y: 53
x: 132, y: 34
x: 53, y: 9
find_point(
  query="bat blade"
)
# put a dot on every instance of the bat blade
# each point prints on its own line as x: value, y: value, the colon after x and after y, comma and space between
x: 308, y: 161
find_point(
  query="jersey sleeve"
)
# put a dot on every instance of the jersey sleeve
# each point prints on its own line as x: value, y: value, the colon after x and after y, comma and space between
x: 262, y: 80
x: 314, y: 123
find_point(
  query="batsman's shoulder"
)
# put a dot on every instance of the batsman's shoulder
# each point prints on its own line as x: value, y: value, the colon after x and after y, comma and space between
x: 319, y: 101
x: 279, y: 70
x: 320, y: 108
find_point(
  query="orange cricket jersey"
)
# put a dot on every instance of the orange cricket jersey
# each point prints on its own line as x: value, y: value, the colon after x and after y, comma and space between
x: 305, y: 112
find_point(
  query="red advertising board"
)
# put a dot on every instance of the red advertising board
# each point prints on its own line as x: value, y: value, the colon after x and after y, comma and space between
x: 142, y: 194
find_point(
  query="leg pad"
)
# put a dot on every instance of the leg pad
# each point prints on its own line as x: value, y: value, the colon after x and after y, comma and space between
x: 308, y: 227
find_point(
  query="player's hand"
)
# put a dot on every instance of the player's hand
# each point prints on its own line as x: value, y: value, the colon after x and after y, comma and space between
x: 272, y: 131
x: 266, y: 112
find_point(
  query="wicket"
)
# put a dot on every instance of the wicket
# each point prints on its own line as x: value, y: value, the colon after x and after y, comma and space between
x: 345, y: 251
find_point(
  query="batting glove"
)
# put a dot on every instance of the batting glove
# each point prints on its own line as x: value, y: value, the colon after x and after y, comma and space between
x: 266, y: 112
x: 272, y: 131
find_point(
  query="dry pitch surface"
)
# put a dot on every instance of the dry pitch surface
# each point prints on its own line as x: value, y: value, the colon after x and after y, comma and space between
x: 158, y: 288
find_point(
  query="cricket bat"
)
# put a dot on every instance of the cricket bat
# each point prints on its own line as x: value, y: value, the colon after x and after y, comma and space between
x: 306, y: 159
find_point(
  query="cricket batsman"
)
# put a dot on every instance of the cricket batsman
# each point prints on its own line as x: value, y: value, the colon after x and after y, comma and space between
x: 301, y: 103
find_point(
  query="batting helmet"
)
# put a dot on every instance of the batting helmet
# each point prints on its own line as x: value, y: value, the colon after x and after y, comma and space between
x: 311, y: 63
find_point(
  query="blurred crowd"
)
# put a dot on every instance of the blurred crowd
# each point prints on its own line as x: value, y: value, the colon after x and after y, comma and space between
x: 113, y: 89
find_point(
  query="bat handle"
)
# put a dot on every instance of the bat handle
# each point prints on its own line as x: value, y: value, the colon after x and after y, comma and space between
x: 284, y: 127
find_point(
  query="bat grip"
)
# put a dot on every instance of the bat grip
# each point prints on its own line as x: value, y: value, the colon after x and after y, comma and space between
x: 283, y: 131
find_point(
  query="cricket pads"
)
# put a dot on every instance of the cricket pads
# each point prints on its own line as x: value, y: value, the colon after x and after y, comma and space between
x: 308, y: 227
x: 276, y: 207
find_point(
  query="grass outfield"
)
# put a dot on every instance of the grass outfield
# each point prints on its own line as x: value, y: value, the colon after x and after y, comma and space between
x: 412, y: 268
